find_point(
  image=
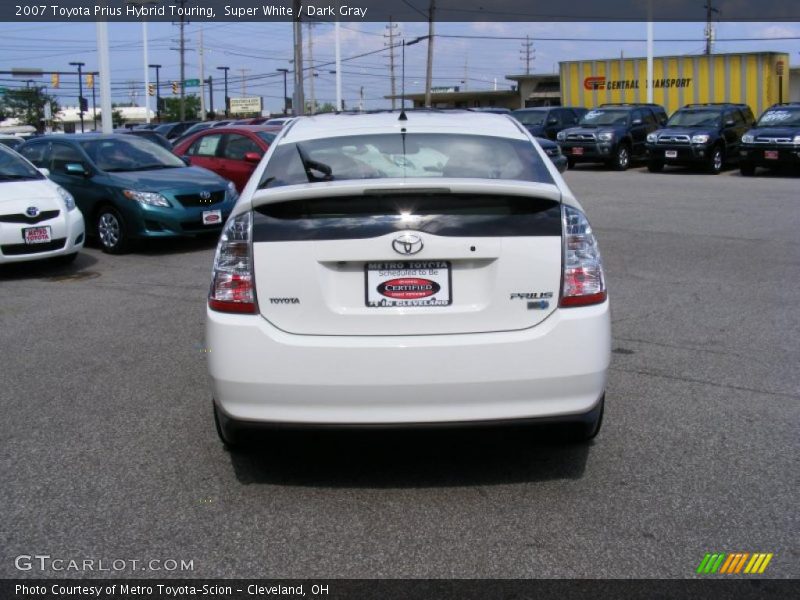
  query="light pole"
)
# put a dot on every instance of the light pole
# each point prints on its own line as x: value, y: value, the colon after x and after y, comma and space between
x: 285, y: 107
x: 403, y: 76
x: 80, y: 90
x: 158, y: 92
x: 226, y: 89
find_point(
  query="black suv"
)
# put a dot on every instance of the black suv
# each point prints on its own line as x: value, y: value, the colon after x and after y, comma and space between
x: 707, y: 135
x: 774, y: 141
x: 547, y: 121
x: 612, y: 133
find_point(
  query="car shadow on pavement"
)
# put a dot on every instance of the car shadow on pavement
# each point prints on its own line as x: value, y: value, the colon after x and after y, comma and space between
x: 50, y: 269
x: 411, y: 458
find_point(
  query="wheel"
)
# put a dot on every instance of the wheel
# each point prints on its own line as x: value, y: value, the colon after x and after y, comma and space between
x: 589, y: 429
x: 226, y: 436
x: 570, y: 162
x: 622, y: 158
x: 716, y: 160
x: 655, y: 166
x: 747, y: 169
x: 110, y: 230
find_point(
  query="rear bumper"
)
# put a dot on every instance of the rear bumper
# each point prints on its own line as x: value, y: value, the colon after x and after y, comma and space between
x: 263, y: 375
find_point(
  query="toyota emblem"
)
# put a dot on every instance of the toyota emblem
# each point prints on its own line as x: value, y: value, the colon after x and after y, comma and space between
x: 32, y: 211
x: 408, y: 243
x: 204, y: 195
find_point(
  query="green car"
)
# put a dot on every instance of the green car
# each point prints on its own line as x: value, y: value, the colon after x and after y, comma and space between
x: 131, y: 189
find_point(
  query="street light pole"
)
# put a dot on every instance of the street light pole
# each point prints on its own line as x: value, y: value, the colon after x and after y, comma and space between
x: 226, y: 89
x: 80, y: 90
x: 158, y: 92
x: 285, y: 107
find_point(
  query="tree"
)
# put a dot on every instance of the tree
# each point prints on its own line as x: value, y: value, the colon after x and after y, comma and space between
x: 172, y: 109
x: 117, y: 119
x: 324, y: 108
x: 27, y: 105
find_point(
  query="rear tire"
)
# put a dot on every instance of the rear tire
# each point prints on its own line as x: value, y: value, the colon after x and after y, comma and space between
x: 655, y: 166
x: 747, y: 169
x: 622, y: 158
x: 716, y: 161
x: 111, y: 231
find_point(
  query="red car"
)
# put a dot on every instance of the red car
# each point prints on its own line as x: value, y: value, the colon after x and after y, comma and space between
x: 232, y: 152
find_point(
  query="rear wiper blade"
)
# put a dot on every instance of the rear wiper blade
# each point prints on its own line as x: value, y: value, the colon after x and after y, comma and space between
x: 309, y: 164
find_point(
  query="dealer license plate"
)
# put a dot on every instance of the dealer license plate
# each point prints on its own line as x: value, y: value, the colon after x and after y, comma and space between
x: 577, y: 151
x: 670, y: 154
x: 408, y: 283
x: 37, y: 235
x: 771, y: 154
x: 212, y: 217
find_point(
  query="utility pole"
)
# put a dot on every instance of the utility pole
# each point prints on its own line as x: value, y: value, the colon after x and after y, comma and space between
x: 466, y: 73
x: 203, y: 80
x: 710, y: 10
x: 391, y: 33
x: 298, y: 101
x: 80, y: 90
x: 158, y: 92
x: 313, y: 106
x: 210, y: 94
x: 338, y: 60
x: 527, y: 52
x: 227, y: 103
x: 182, y: 50
x: 429, y: 72
x: 244, y: 73
x: 285, y: 97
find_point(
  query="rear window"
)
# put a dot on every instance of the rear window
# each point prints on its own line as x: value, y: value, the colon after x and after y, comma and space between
x: 397, y: 155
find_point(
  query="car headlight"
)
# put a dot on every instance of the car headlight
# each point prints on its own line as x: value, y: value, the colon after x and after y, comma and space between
x: 652, y: 138
x: 701, y: 138
x: 151, y: 198
x: 749, y: 139
x: 796, y: 140
x: 606, y: 136
x: 561, y: 136
x: 233, y: 194
x: 66, y: 197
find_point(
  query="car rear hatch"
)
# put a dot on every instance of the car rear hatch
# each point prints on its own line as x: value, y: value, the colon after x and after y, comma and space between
x: 407, y: 258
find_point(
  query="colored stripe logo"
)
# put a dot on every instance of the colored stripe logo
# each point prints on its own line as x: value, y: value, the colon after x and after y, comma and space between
x: 734, y: 563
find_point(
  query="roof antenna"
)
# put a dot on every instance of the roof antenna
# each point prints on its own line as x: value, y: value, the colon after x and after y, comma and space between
x: 403, y: 116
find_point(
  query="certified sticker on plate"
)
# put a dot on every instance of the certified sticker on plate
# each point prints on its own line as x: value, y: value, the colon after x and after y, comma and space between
x: 422, y: 283
x: 771, y: 154
x: 578, y: 151
x: 212, y: 217
x: 36, y: 235
x: 671, y: 154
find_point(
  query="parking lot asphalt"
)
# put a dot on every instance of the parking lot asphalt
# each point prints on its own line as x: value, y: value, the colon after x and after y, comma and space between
x: 108, y: 449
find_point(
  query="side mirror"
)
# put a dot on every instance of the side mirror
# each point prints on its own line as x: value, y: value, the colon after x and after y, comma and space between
x: 252, y: 157
x: 45, y: 172
x: 186, y: 160
x: 76, y: 169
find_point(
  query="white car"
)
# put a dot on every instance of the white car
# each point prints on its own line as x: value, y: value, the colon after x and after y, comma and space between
x: 38, y: 218
x: 414, y: 268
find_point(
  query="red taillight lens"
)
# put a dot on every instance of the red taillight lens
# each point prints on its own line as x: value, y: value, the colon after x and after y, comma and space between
x: 232, y: 285
x: 583, y: 281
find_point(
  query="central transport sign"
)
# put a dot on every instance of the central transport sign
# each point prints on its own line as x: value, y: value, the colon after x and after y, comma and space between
x: 245, y: 105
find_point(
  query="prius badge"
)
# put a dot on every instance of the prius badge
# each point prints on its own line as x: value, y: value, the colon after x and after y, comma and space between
x: 408, y: 243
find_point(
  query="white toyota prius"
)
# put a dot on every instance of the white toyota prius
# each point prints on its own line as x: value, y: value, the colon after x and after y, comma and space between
x: 401, y: 268
x: 38, y: 218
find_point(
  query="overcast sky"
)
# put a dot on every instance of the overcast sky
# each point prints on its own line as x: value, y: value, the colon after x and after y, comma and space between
x: 261, y: 48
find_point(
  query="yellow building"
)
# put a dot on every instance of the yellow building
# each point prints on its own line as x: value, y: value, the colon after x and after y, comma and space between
x: 758, y: 79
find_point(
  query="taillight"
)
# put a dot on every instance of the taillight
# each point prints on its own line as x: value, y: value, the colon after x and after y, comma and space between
x: 232, y: 285
x: 583, y: 282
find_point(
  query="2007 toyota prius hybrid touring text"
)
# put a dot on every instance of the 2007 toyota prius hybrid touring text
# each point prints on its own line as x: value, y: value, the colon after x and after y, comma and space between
x: 420, y: 267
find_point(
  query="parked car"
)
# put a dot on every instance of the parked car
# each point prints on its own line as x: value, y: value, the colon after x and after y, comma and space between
x: 251, y: 121
x: 554, y: 153
x: 231, y: 152
x: 279, y: 121
x: 201, y: 126
x: 38, y: 218
x: 706, y: 135
x: 446, y: 275
x: 11, y: 141
x: 547, y: 121
x: 149, y: 135
x: 172, y: 131
x: 129, y: 188
x: 614, y: 134
x: 774, y: 141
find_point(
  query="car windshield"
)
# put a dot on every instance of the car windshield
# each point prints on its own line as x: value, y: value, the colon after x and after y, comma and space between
x: 593, y: 118
x: 15, y: 168
x: 404, y: 155
x: 530, y: 117
x: 695, y: 118
x: 780, y: 117
x: 129, y: 154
